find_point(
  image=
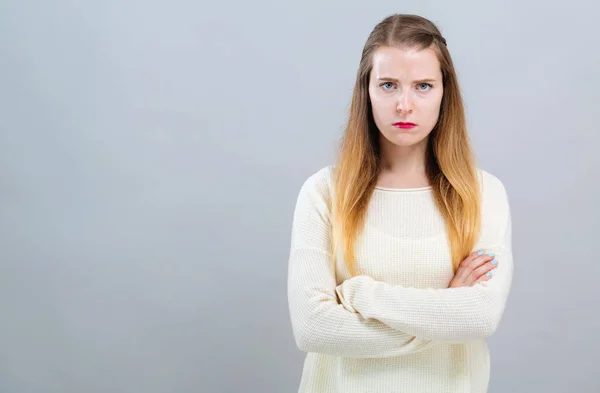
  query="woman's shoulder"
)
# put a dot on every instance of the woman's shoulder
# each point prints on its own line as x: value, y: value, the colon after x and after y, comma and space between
x: 494, y: 197
x: 491, y: 185
x: 317, y: 186
x: 319, y: 180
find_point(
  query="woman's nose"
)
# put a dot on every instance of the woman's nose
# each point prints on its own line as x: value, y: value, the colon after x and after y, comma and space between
x: 404, y: 104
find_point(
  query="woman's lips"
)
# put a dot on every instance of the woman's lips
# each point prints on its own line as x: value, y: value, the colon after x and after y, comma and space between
x: 404, y: 125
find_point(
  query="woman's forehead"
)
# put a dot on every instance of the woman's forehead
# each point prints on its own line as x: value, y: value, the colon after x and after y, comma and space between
x: 396, y: 63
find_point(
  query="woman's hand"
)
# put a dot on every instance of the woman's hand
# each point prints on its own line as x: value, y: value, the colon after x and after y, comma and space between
x: 477, y: 267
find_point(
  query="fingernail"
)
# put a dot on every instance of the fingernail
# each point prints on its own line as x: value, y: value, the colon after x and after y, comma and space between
x: 495, y: 261
x: 480, y: 253
x: 491, y: 254
x: 488, y: 273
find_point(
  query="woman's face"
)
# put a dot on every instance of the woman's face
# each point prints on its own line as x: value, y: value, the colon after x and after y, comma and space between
x: 405, y: 87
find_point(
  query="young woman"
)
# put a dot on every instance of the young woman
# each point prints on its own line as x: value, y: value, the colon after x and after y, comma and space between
x: 401, y: 261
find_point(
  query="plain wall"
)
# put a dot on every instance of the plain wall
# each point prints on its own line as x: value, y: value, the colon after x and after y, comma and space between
x: 151, y: 154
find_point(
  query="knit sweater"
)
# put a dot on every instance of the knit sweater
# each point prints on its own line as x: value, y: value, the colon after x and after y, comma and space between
x: 395, y: 326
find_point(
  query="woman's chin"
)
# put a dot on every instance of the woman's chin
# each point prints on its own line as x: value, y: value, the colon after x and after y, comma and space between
x: 406, y: 139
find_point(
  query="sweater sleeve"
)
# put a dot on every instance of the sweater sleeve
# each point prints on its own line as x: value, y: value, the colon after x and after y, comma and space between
x: 446, y: 314
x: 319, y: 323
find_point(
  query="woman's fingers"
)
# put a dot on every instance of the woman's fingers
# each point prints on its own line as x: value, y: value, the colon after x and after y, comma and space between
x: 468, y: 268
x: 483, y: 278
x: 486, y: 269
x: 481, y: 259
x: 473, y: 269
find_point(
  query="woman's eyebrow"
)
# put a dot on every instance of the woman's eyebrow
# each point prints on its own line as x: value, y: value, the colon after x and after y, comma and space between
x: 424, y: 80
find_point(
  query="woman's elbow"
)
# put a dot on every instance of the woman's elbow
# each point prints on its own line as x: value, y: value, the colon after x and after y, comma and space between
x: 305, y: 338
x: 491, y: 323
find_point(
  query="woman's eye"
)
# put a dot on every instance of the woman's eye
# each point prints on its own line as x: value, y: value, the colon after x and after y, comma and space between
x: 424, y: 86
x: 387, y: 85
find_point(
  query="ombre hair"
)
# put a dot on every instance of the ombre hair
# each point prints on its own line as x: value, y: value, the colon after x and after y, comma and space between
x: 450, y: 163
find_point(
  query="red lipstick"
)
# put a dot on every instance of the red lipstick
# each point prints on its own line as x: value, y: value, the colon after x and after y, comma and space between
x: 404, y: 125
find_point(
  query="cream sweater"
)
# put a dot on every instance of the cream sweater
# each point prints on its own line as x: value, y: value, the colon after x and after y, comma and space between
x: 396, y: 327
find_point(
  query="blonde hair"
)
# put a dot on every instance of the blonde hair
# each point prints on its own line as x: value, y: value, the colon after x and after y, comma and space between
x: 449, y: 159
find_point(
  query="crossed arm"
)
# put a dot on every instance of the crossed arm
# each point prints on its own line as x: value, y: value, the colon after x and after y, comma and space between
x: 376, y: 319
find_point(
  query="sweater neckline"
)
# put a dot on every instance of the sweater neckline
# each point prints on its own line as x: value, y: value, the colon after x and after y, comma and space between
x: 400, y: 190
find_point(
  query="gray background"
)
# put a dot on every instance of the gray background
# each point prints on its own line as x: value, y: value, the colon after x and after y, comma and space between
x: 151, y: 154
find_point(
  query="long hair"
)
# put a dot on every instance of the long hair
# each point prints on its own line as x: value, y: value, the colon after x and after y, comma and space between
x: 450, y: 162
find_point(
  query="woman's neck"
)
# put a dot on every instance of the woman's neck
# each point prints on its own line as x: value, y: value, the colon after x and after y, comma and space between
x: 403, y: 166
